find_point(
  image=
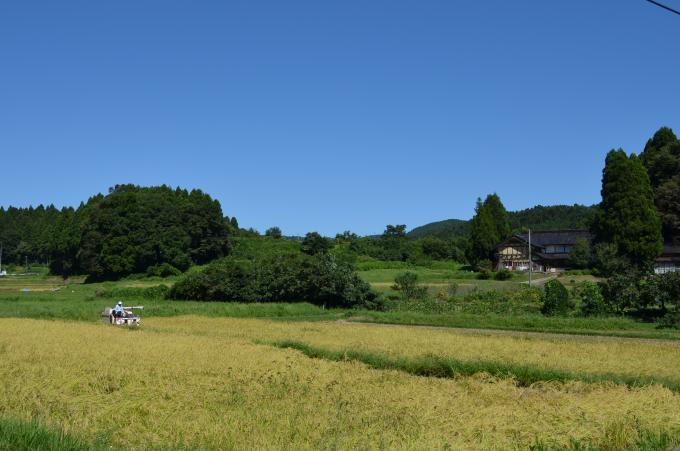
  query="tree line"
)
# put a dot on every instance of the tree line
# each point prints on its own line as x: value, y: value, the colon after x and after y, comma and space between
x: 132, y: 229
x: 540, y: 217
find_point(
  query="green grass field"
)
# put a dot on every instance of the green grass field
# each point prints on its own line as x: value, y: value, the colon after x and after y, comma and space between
x: 84, y: 302
x: 437, y: 276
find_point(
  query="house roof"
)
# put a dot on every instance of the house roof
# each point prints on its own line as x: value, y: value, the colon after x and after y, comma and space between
x: 552, y: 237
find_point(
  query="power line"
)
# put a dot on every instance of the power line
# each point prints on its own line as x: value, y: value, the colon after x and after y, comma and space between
x: 668, y: 8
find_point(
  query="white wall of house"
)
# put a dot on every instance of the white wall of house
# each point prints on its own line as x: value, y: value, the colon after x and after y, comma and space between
x: 666, y: 267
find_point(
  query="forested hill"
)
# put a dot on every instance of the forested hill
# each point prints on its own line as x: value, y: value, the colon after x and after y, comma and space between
x: 446, y: 229
x: 539, y: 218
x: 553, y: 217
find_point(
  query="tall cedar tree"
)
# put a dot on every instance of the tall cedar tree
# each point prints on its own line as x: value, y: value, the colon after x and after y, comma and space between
x: 661, y: 157
x: 488, y: 228
x: 628, y: 218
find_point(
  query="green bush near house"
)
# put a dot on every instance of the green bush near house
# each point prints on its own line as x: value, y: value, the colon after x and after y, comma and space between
x: 556, y: 299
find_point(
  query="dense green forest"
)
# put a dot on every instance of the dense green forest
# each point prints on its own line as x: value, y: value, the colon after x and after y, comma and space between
x: 540, y: 217
x: 157, y: 230
x: 25, y: 233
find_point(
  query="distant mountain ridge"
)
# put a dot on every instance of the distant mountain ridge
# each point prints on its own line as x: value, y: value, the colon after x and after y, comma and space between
x: 553, y: 217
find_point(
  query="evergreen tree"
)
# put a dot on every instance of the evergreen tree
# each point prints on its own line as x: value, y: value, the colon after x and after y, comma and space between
x: 488, y: 228
x: 64, y: 243
x: 499, y: 215
x: 655, y: 155
x: 627, y: 217
x: 661, y: 157
x: 668, y: 204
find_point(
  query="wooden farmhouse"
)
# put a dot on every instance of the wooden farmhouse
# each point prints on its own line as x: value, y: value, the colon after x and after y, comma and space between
x: 669, y: 260
x: 549, y: 250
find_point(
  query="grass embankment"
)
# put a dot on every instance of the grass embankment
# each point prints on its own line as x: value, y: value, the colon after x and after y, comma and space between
x: 446, y: 367
x: 605, y: 326
x: 18, y: 435
x: 201, y: 382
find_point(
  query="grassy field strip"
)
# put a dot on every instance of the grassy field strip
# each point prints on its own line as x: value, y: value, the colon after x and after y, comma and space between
x: 579, y: 335
x: 206, y: 389
x: 433, y: 366
x: 605, y: 327
x: 641, y: 360
x: 460, y: 324
x: 18, y: 435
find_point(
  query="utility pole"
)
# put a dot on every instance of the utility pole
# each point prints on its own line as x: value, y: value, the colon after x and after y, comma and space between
x: 530, y: 262
x: 0, y: 258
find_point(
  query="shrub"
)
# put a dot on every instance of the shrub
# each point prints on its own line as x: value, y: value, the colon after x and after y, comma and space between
x: 670, y: 320
x: 669, y: 288
x: 407, y: 285
x: 592, y: 301
x: 556, y: 299
x: 223, y: 281
x: 321, y: 280
x: 485, y: 264
x: 503, y: 274
x: 484, y: 274
x: 335, y: 284
x: 163, y: 270
x: 622, y: 291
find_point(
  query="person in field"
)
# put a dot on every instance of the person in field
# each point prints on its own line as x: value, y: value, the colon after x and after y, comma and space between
x: 118, y: 310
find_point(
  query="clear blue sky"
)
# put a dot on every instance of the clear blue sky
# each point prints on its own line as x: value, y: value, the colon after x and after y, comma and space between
x: 331, y: 115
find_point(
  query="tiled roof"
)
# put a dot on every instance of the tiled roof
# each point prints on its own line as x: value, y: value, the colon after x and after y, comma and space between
x: 551, y: 237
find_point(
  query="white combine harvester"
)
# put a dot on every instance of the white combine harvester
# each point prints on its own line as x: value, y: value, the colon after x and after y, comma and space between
x: 128, y: 318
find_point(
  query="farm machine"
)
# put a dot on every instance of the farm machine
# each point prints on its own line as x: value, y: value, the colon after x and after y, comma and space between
x: 125, y: 317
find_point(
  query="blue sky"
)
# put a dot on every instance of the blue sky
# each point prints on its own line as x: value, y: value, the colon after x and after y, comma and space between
x: 328, y: 116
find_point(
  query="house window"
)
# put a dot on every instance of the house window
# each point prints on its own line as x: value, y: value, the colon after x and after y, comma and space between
x: 557, y: 249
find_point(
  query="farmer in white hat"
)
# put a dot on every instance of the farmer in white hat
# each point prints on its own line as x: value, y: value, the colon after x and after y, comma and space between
x: 118, y: 310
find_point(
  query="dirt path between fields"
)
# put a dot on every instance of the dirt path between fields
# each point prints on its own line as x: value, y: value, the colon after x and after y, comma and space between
x: 515, y: 333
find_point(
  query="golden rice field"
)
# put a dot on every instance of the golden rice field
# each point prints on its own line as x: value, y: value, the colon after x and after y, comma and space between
x: 204, y: 383
x: 572, y: 353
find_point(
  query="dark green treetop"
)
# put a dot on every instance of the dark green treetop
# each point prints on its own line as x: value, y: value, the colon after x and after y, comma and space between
x: 661, y: 157
x: 628, y: 218
x: 488, y: 228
